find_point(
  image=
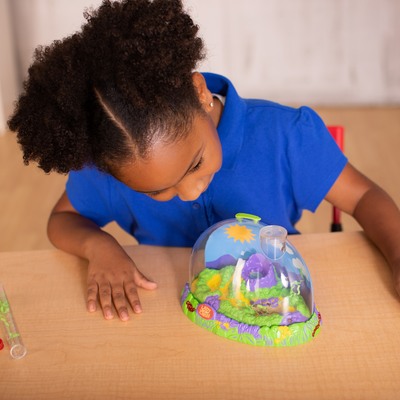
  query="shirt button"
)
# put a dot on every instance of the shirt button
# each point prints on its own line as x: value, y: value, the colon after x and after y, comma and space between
x: 196, y: 206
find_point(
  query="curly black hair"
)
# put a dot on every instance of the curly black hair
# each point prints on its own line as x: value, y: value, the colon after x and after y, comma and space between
x: 104, y: 95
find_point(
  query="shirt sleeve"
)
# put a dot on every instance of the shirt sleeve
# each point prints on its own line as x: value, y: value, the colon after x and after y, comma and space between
x: 89, y: 193
x: 315, y: 159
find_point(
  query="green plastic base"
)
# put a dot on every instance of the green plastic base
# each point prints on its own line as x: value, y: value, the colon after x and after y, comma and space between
x: 276, y: 336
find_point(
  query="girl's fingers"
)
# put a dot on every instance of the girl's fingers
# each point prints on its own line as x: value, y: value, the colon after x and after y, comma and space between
x: 91, y: 295
x: 119, y: 299
x: 133, y: 297
x: 110, y: 292
x: 105, y: 300
x: 139, y: 280
x: 142, y: 281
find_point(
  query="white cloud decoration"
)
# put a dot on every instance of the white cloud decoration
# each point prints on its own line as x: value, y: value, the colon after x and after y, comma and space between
x: 289, y: 250
x: 299, y: 265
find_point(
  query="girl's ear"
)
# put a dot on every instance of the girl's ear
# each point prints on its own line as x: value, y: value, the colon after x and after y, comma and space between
x: 205, y: 96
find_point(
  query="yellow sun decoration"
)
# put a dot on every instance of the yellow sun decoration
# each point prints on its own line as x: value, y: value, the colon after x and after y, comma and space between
x: 240, y: 233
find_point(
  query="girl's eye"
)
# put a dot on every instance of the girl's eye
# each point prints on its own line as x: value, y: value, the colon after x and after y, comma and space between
x: 198, y: 165
x: 153, y: 194
x: 194, y: 169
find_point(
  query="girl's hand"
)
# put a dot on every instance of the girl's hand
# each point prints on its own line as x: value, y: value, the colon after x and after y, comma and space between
x: 115, y: 279
x: 111, y: 274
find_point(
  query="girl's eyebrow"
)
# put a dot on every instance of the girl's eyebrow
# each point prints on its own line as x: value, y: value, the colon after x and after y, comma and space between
x: 187, y: 171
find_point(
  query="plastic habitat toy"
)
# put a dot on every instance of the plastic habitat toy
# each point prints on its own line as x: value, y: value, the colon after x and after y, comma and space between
x: 248, y: 283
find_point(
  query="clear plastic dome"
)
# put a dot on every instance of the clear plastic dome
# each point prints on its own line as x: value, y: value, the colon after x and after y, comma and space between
x: 247, y: 282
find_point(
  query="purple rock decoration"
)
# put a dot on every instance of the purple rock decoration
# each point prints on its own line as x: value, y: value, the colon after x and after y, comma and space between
x: 221, y: 262
x: 241, y: 327
x: 293, y: 317
x: 252, y: 329
x: 186, y: 291
x: 259, y: 272
x: 213, y: 301
x: 223, y: 319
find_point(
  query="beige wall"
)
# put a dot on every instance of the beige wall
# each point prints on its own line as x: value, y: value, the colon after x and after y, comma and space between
x: 330, y: 52
x: 8, y: 64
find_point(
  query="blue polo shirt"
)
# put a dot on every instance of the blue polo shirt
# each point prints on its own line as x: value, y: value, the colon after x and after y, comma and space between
x: 277, y: 161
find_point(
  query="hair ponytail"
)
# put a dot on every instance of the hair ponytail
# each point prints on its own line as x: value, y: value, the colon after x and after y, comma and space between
x: 139, y: 56
x: 50, y: 117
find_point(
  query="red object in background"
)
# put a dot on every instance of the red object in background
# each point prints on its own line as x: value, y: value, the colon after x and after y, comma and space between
x: 1, y: 345
x: 337, y: 133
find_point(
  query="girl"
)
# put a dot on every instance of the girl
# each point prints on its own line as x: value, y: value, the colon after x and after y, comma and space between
x: 167, y: 152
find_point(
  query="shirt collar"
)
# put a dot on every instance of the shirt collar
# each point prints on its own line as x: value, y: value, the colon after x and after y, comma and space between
x: 231, y: 126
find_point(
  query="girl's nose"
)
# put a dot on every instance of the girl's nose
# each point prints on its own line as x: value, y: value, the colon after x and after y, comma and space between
x: 190, y: 190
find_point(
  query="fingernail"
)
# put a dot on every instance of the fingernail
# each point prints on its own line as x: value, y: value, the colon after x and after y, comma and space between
x: 138, y: 309
x: 91, y: 308
x: 109, y: 314
x: 124, y: 315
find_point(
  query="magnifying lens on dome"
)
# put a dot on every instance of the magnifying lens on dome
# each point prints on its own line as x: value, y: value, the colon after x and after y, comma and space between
x: 273, y: 241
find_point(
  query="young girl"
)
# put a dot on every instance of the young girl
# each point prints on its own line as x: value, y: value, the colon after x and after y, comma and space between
x: 167, y: 152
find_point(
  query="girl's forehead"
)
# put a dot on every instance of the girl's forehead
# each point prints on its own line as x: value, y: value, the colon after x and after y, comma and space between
x: 167, y: 163
x: 201, y: 133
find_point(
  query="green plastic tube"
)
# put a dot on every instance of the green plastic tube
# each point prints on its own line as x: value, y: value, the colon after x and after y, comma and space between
x: 17, y: 349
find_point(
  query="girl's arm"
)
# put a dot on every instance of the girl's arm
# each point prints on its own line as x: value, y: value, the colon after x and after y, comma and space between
x: 111, y: 272
x: 374, y: 210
